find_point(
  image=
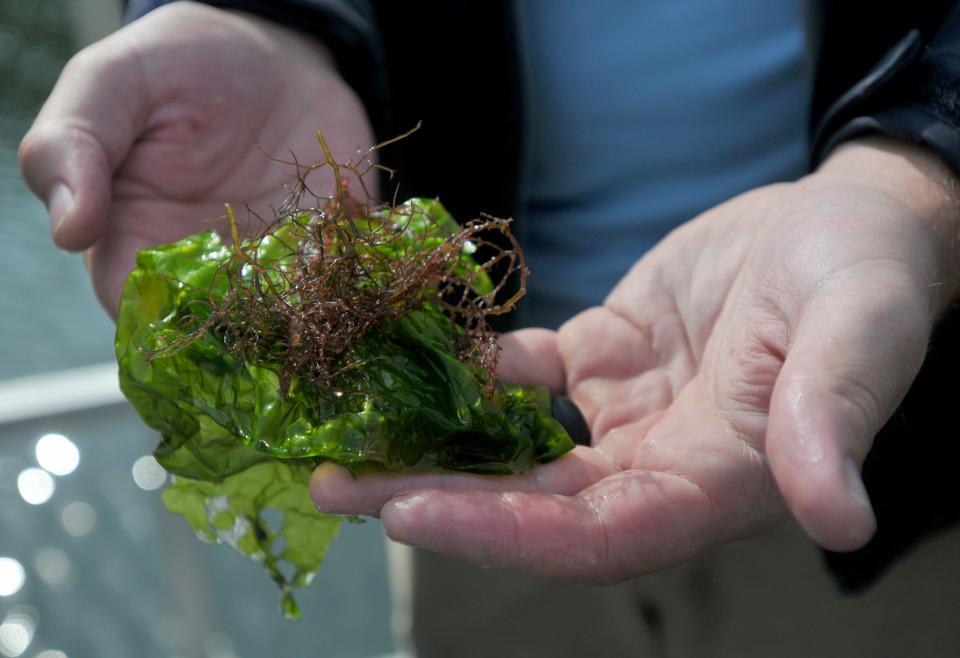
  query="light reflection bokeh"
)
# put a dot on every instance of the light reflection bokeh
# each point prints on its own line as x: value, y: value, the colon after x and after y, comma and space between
x: 35, y: 485
x: 12, y: 576
x: 148, y: 474
x: 54, y: 567
x: 78, y: 518
x: 57, y: 454
x: 16, y: 630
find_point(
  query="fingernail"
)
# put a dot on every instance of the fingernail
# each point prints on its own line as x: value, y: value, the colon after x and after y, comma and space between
x: 60, y: 203
x: 855, y: 483
x: 329, y: 470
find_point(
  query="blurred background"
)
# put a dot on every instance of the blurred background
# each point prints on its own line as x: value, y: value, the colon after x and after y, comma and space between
x: 91, y: 564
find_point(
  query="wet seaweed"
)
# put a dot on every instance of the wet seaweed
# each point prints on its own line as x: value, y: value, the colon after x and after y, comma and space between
x: 350, y: 266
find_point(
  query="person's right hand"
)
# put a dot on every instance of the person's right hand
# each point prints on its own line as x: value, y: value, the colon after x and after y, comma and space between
x: 149, y: 132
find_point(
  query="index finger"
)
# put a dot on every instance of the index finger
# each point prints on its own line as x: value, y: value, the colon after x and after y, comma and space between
x: 80, y: 137
x: 628, y: 524
x: 334, y: 490
x: 531, y: 356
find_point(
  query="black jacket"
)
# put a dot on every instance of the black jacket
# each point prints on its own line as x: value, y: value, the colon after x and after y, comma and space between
x: 884, y: 67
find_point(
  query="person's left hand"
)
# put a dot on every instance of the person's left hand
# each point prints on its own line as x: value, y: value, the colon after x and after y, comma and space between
x: 740, y: 370
x: 149, y: 132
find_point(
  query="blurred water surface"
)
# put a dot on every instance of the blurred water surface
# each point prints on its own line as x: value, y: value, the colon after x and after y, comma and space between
x: 49, y: 318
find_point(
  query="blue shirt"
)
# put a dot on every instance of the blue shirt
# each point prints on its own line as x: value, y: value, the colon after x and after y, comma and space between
x: 640, y: 115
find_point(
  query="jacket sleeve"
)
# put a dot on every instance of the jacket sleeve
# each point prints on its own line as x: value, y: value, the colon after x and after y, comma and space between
x: 913, y: 93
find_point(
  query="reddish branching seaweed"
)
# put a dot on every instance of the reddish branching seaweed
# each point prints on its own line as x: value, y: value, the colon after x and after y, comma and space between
x: 349, y: 266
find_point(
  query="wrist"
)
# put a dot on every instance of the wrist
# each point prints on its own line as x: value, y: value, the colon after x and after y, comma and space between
x: 291, y: 43
x: 912, y: 174
x: 916, y: 184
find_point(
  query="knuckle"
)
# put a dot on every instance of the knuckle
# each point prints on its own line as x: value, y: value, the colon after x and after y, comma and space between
x: 83, y: 60
x: 31, y: 156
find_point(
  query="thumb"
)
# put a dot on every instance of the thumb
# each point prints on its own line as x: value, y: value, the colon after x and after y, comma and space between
x: 532, y: 356
x: 81, y: 135
x: 850, y: 364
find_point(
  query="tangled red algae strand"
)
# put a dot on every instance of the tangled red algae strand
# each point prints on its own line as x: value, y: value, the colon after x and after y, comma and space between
x: 350, y: 267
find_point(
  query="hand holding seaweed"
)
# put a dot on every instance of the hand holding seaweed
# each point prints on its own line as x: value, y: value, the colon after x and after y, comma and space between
x: 148, y: 132
x: 739, y: 371
x: 145, y: 136
x: 341, y: 331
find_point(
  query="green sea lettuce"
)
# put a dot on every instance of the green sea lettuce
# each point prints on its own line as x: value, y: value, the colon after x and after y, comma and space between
x: 239, y: 445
